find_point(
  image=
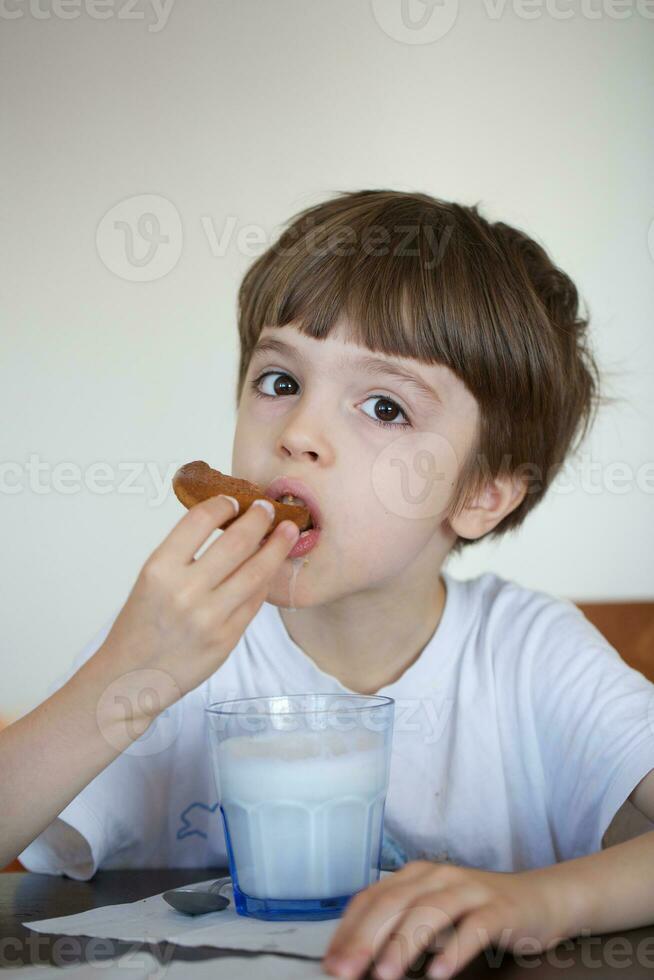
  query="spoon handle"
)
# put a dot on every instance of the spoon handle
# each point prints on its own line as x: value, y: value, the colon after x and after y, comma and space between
x: 217, y: 885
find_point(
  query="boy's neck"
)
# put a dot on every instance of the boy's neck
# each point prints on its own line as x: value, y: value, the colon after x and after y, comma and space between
x: 365, y: 653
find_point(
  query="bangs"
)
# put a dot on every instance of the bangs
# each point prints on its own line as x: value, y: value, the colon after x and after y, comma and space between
x: 390, y: 271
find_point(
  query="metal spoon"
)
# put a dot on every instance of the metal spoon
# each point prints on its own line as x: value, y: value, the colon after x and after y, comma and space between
x: 194, y: 901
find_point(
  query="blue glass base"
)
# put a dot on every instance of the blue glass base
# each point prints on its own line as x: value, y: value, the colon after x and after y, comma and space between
x: 283, y: 909
x: 278, y: 909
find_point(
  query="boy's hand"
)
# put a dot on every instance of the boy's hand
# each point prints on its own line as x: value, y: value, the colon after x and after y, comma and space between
x: 184, y: 615
x: 459, y: 911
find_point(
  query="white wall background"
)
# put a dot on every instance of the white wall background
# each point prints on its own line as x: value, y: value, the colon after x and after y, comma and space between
x: 240, y: 113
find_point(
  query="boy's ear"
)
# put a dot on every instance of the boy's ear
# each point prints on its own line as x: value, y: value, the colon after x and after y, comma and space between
x: 497, y: 498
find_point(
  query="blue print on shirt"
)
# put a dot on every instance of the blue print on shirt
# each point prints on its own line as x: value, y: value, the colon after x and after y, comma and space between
x: 393, y: 855
x: 195, y: 819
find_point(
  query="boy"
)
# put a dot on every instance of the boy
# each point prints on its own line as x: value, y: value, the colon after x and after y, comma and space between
x: 519, y: 731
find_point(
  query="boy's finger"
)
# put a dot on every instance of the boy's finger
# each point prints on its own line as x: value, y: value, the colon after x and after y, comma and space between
x: 237, y: 545
x: 253, y: 574
x: 194, y: 527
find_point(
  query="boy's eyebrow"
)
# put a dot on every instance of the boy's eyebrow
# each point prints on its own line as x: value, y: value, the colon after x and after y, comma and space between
x: 366, y: 362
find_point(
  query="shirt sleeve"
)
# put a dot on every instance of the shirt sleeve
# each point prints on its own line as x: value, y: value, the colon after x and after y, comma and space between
x: 594, y: 720
x: 64, y: 849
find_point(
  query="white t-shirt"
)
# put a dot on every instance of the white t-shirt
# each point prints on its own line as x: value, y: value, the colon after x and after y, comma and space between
x: 519, y: 732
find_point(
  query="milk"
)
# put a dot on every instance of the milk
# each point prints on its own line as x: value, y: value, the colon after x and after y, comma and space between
x: 304, y: 811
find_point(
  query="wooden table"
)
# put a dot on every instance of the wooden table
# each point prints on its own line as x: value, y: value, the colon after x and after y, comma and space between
x: 24, y: 896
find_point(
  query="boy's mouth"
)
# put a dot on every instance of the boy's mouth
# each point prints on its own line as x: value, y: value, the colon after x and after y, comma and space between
x: 288, y: 498
x: 293, y: 491
x: 308, y: 538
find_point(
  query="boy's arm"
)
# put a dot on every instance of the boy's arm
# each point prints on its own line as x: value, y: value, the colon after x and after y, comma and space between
x: 51, y: 754
x: 609, y: 890
x: 179, y: 604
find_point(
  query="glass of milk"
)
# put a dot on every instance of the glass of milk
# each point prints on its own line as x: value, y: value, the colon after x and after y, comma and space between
x: 302, y: 782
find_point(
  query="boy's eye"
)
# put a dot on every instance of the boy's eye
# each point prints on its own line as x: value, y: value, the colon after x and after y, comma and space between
x: 392, y: 414
x: 255, y: 385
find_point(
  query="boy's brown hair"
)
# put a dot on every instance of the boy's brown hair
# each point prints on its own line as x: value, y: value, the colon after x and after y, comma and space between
x: 420, y: 277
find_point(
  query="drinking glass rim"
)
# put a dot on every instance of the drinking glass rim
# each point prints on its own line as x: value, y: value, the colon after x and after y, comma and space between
x: 381, y: 699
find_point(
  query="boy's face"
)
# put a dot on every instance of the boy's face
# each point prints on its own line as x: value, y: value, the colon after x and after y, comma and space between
x: 383, y: 490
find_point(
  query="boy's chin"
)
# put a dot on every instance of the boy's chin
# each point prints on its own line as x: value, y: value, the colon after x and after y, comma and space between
x: 280, y: 598
x: 285, y: 593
